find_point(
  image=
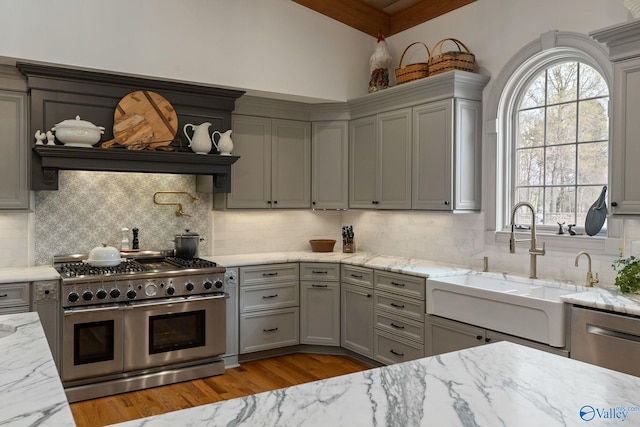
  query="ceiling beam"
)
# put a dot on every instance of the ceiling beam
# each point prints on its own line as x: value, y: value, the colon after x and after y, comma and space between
x: 422, y: 12
x: 355, y: 14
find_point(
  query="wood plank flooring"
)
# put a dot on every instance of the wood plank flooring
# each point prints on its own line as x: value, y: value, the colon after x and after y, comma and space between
x: 250, y: 378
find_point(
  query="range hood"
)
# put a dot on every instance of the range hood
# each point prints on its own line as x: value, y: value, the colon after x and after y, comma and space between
x: 57, y: 94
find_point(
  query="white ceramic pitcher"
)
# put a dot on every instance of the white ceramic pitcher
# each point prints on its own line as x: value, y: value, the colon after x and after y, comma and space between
x: 225, y: 144
x: 200, y: 143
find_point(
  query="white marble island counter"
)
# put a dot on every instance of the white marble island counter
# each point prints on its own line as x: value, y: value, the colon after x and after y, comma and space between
x: 31, y: 393
x: 501, y: 384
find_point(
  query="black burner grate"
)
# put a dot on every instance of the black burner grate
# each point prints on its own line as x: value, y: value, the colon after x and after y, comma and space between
x: 191, y: 263
x: 79, y: 268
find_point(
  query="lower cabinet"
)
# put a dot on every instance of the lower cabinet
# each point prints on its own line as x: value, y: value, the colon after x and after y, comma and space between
x: 46, y: 302
x: 445, y: 335
x: 357, y: 310
x: 320, y: 304
x: 14, y: 298
x: 269, y: 307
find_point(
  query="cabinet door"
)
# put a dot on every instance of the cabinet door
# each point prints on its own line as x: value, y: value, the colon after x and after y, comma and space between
x: 432, y: 161
x: 330, y: 165
x: 625, y: 150
x: 251, y: 174
x: 14, y: 151
x: 357, y: 319
x: 291, y: 164
x: 467, y: 154
x: 363, y: 161
x: 444, y: 336
x: 320, y: 313
x: 394, y: 160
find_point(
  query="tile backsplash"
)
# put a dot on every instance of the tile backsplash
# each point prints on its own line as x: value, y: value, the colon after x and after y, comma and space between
x: 91, y: 208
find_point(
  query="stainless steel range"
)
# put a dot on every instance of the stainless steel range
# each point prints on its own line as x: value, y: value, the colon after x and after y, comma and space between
x: 151, y: 320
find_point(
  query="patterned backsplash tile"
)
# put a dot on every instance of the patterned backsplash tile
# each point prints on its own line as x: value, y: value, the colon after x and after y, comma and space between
x: 91, y: 208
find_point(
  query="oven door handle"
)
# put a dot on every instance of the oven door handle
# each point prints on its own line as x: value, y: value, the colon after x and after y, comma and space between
x: 83, y: 310
x: 137, y: 304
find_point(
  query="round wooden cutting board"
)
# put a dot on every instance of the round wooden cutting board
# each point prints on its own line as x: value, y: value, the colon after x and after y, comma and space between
x: 157, y: 112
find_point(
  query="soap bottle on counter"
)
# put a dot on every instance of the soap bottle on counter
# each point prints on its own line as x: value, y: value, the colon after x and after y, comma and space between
x: 124, y: 242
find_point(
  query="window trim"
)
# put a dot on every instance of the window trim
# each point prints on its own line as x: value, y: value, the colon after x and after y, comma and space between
x: 549, y: 48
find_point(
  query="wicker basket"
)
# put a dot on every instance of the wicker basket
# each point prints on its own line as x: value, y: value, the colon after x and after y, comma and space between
x: 411, y: 72
x: 322, y: 245
x: 453, y: 60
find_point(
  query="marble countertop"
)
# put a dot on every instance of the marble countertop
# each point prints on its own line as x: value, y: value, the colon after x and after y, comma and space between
x: 501, y: 384
x: 606, y: 299
x: 28, y: 274
x: 31, y: 392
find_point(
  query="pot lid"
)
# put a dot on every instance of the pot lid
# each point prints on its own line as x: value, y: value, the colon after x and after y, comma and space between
x: 77, y: 123
x: 103, y: 253
x: 188, y: 233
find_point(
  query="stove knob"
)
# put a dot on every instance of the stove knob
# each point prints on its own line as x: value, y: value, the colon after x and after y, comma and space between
x: 189, y: 286
x: 101, y: 294
x: 207, y: 284
x: 87, y: 295
x: 73, y: 297
x: 115, y: 293
x: 171, y: 290
x: 131, y: 294
x: 218, y: 284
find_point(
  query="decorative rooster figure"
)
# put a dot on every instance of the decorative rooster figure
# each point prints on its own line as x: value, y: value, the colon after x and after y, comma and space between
x: 379, y: 66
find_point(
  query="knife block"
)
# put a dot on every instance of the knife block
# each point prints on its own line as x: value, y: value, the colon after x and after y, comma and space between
x: 349, y: 247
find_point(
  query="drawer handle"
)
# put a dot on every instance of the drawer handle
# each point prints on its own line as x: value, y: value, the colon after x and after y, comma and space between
x: 397, y: 284
x: 357, y: 276
x: 269, y: 296
x: 270, y: 274
x: 270, y: 330
x: 397, y: 326
x: 319, y: 272
x: 4, y: 295
x: 318, y: 286
x: 396, y: 353
x: 369, y: 295
x: 393, y: 304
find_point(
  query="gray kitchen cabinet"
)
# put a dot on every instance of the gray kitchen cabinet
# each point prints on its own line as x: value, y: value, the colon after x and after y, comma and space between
x: 320, y: 304
x: 447, y: 155
x: 14, y: 298
x: 356, y: 319
x: 445, y: 335
x: 399, y: 306
x: 14, y: 150
x: 275, y: 171
x: 380, y: 161
x: 330, y: 165
x: 269, y: 307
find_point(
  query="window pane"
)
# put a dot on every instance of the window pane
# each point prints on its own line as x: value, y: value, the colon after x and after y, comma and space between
x: 562, y: 83
x: 593, y: 120
x: 530, y: 166
x: 560, y: 165
x: 591, y: 83
x: 559, y: 205
x: 534, y: 196
x: 561, y: 124
x: 587, y: 196
x: 534, y: 96
x: 531, y: 128
x: 593, y: 163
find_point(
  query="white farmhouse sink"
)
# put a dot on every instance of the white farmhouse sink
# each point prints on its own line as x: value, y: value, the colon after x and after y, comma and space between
x: 526, y: 308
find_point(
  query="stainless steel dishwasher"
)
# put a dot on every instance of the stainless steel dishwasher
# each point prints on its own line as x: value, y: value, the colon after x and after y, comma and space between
x: 606, y: 339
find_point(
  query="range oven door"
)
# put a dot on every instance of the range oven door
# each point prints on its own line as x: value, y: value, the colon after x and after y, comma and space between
x: 172, y: 331
x: 91, y: 342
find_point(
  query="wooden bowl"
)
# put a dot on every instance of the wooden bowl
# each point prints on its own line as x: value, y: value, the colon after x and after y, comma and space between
x: 322, y: 245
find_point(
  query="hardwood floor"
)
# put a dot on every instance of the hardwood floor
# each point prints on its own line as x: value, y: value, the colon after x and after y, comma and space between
x: 250, y: 378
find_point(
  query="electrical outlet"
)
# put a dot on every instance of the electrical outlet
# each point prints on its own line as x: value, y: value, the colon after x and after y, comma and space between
x: 635, y: 248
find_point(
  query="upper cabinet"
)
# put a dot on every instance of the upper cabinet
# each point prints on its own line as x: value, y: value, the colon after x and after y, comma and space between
x: 380, y: 160
x: 275, y: 170
x: 14, y: 143
x: 624, y: 49
x: 330, y: 165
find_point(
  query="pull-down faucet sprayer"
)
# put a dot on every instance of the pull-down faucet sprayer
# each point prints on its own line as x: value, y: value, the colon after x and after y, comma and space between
x: 533, y: 251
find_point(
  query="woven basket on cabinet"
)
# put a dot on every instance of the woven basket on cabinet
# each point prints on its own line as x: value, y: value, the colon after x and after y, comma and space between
x: 453, y: 60
x: 416, y: 71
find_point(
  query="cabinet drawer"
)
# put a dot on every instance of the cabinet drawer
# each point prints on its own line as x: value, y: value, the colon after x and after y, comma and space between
x: 263, y: 274
x: 320, y: 271
x: 357, y: 275
x: 254, y: 298
x: 390, y: 349
x: 269, y: 329
x: 15, y: 310
x: 13, y: 294
x: 402, y: 306
x: 400, y: 326
x: 401, y: 284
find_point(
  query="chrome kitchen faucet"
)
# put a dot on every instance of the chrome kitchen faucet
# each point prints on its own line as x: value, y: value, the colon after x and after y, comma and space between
x: 533, y: 251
